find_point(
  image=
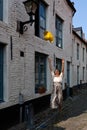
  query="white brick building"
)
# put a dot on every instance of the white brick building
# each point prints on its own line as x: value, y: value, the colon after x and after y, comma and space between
x: 79, y: 57
x: 23, y: 63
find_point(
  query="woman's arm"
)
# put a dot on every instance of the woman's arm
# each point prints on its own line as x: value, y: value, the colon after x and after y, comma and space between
x: 62, y: 66
x: 50, y: 65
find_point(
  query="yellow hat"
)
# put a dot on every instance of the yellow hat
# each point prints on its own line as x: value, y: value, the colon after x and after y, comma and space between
x: 48, y: 36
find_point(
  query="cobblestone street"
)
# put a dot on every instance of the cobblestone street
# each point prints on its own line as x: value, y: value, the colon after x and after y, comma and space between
x: 74, y: 123
x: 72, y: 117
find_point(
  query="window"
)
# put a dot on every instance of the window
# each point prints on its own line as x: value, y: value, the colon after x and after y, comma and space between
x: 58, y: 64
x: 70, y: 27
x: 83, y: 73
x: 1, y: 9
x: 58, y: 26
x: 77, y: 51
x: 83, y: 54
x: 40, y: 71
x: 1, y: 73
x: 68, y: 73
x: 77, y: 74
x: 40, y: 20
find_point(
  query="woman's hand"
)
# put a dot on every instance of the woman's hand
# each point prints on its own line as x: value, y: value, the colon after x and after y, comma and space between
x: 62, y: 65
x: 62, y: 61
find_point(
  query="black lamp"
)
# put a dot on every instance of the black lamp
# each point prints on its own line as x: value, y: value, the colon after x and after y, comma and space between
x: 30, y: 6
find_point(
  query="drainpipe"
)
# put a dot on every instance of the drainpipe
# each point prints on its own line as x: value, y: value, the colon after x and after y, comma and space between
x: 21, y: 101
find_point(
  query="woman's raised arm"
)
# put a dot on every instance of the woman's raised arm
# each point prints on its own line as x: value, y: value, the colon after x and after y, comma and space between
x: 63, y: 66
x: 50, y: 65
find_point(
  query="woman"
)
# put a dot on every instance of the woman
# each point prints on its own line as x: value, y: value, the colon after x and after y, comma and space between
x: 56, y: 96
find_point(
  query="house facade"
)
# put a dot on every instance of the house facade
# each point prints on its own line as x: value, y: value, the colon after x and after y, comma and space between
x: 79, y: 57
x: 24, y: 67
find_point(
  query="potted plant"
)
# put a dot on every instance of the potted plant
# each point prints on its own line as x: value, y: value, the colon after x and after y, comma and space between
x: 41, y: 89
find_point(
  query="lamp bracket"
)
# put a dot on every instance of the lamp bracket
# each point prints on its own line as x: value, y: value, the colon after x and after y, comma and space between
x: 20, y: 26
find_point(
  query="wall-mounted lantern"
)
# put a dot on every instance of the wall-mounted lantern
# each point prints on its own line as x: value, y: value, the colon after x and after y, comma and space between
x: 30, y: 6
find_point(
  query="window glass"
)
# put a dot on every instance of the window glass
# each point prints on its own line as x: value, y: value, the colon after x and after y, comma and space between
x: 40, y: 71
x: 77, y: 51
x: 77, y: 74
x: 83, y: 53
x: 1, y: 73
x: 40, y: 20
x: 58, y: 64
x: 1, y: 9
x: 59, y: 24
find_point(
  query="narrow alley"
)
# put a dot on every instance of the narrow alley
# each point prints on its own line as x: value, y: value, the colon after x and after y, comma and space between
x: 72, y: 117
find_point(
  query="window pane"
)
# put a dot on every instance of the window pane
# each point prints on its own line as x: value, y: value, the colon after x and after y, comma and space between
x: 42, y: 74
x: 77, y: 51
x: 60, y: 43
x: 40, y: 71
x: 42, y: 19
x: 77, y: 74
x: 1, y: 9
x: 1, y: 73
x: 42, y: 10
x: 83, y: 73
x: 42, y: 22
x: 36, y: 70
x: 60, y: 26
x: 83, y: 54
x: 58, y: 64
x: 59, y: 32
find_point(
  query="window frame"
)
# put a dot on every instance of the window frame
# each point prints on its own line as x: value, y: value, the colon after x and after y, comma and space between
x: 77, y: 74
x: 1, y: 72
x: 83, y: 73
x: 38, y: 58
x: 59, y: 64
x: 83, y: 54
x: 39, y: 29
x: 78, y: 51
x: 59, y: 32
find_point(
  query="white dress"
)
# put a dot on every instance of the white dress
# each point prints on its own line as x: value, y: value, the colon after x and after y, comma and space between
x: 56, y: 96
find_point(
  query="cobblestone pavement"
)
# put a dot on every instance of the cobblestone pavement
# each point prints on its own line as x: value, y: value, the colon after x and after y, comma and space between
x: 74, y: 115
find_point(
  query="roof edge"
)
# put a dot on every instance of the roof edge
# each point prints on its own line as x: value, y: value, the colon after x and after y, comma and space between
x: 71, y: 4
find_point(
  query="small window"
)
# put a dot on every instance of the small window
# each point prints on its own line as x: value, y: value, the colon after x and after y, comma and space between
x: 77, y: 74
x: 58, y: 26
x: 1, y: 73
x: 83, y: 73
x: 40, y: 20
x: 77, y: 51
x: 83, y: 54
x: 58, y: 64
x: 40, y: 71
